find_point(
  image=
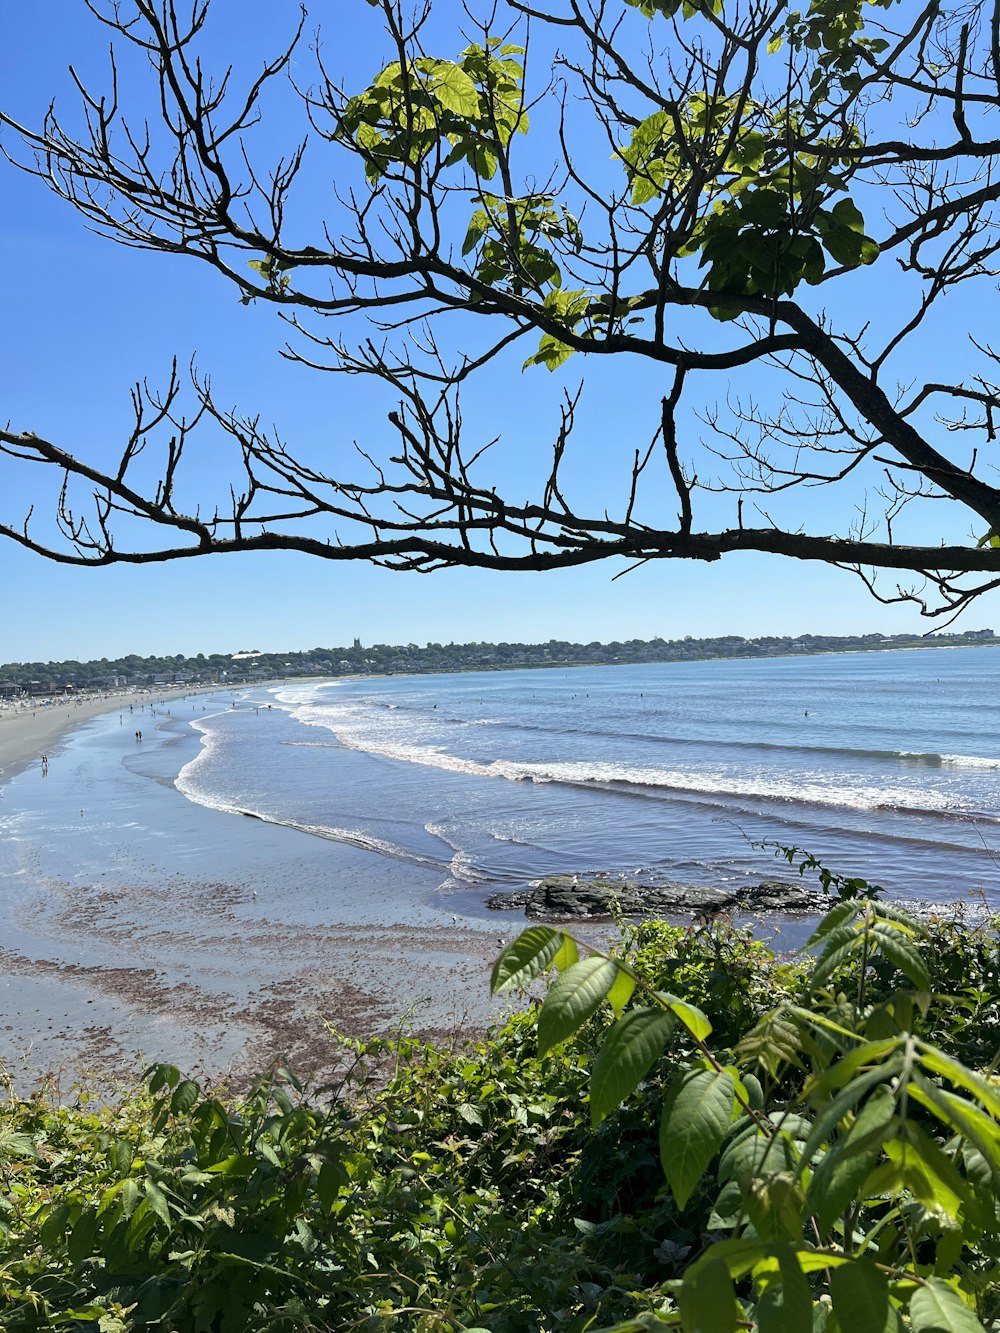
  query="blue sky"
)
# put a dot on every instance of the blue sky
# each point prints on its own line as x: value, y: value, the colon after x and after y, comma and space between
x: 84, y: 319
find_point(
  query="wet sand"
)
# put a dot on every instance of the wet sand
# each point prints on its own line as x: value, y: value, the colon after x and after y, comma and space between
x: 278, y: 1000
x: 137, y: 926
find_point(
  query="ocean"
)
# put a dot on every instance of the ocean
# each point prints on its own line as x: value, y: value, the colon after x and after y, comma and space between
x: 267, y: 855
x: 884, y: 765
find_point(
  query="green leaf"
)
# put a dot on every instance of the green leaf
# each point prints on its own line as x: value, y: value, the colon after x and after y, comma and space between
x: 961, y: 1117
x: 764, y: 208
x: 785, y: 1305
x: 697, y: 1111
x: 774, y: 1040
x: 332, y: 1177
x: 647, y: 136
x: 525, y: 958
x: 754, y: 1091
x: 775, y: 1205
x: 834, y: 956
x: 839, y: 1176
x: 692, y: 1018
x: 836, y: 917
x: 157, y: 1201
x: 14, y: 1144
x: 626, y: 1056
x: 551, y: 354
x: 185, y: 1096
x: 121, y: 1157
x: 754, y: 1152
x: 958, y: 1075
x: 938, y: 1308
x: 80, y: 1243
x: 916, y: 1164
x: 621, y: 991
x: 479, y: 224
x: 645, y: 185
x: 903, y: 953
x: 568, y: 954
x: 861, y: 1299
x: 238, y: 1165
x: 847, y: 214
x: 454, y: 89
x: 707, y: 1300
x: 131, y: 1194
x: 163, y: 1076
x: 56, y: 1222
x: 573, y: 997
x: 862, y: 1062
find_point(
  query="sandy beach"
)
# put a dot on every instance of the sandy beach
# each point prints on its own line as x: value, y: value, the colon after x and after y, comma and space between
x: 31, y: 730
x: 168, y: 931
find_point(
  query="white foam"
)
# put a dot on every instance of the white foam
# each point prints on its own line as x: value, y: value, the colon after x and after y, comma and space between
x: 209, y: 742
x: 762, y: 787
x: 969, y: 761
x: 359, y: 727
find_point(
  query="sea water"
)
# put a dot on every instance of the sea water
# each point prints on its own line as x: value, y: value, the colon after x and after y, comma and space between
x: 884, y: 765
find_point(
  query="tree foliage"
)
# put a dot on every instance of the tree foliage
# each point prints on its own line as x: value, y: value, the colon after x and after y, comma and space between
x: 705, y: 188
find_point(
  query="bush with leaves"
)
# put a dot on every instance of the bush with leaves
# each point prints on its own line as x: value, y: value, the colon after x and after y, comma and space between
x: 837, y: 1169
x: 428, y: 1187
x: 822, y: 1141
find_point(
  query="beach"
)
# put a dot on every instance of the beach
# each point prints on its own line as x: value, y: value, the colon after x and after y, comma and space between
x: 171, y: 932
x: 274, y: 860
x: 35, y: 728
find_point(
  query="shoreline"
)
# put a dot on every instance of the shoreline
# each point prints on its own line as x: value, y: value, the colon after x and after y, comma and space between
x: 160, y: 929
x: 134, y: 919
x: 28, y: 732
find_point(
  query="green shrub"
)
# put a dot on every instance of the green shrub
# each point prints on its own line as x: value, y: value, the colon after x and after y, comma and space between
x: 828, y: 1141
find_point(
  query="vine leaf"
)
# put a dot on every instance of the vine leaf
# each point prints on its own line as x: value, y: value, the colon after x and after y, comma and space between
x: 574, y: 996
x: 626, y: 1056
x: 697, y: 1112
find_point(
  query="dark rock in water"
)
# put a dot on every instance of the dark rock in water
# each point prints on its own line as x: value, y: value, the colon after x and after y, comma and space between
x: 510, y: 902
x: 568, y: 896
x: 779, y: 895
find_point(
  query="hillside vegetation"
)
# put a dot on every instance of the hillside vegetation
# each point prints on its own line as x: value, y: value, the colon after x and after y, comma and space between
x: 383, y: 658
x: 693, y: 1133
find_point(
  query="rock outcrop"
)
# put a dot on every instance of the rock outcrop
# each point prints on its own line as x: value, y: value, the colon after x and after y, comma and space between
x: 569, y: 897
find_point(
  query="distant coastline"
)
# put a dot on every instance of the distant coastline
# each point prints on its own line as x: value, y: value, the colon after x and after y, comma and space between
x: 25, y: 680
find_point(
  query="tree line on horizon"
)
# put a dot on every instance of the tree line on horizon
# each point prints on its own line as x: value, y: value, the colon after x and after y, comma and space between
x: 381, y: 658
